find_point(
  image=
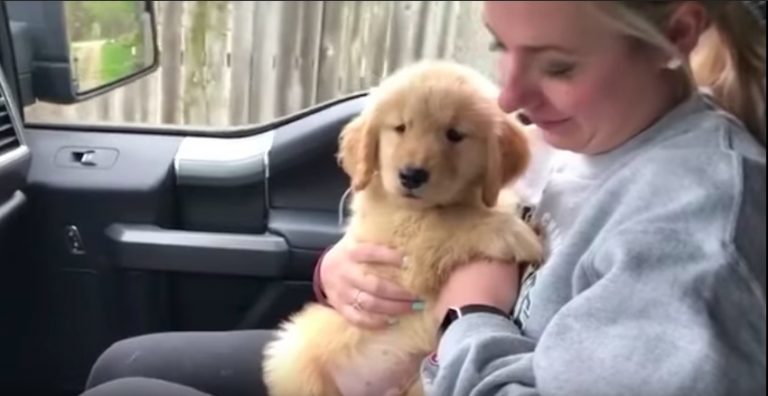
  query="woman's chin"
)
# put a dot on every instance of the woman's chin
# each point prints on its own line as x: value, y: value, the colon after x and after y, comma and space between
x: 561, y: 138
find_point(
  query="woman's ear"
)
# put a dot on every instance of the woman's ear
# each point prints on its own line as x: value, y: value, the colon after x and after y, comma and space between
x: 686, y: 24
x: 508, y: 157
x: 358, y: 151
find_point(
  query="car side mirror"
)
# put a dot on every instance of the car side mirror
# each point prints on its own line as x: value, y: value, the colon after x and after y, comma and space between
x: 75, y: 50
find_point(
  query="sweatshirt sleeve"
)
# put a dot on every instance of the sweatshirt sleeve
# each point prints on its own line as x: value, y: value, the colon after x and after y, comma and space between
x: 662, y: 315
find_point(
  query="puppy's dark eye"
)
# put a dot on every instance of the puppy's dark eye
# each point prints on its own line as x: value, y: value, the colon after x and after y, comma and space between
x: 454, y: 136
x: 400, y: 128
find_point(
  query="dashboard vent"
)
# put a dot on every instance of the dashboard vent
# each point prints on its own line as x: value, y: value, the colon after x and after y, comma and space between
x: 9, y: 139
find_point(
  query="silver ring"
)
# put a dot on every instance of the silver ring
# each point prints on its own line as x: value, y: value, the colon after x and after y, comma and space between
x: 356, y: 301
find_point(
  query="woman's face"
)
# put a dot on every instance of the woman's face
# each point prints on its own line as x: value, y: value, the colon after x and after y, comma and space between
x: 586, y: 87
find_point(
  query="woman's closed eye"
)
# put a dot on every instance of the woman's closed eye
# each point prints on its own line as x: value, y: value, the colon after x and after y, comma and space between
x: 559, y: 69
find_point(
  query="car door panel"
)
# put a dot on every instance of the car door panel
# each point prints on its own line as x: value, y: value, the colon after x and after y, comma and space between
x: 311, y: 140
x: 221, y: 183
x: 177, y: 232
x: 73, y: 298
x: 112, y: 230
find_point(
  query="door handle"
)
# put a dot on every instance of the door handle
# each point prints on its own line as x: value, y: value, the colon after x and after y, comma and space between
x: 87, y: 157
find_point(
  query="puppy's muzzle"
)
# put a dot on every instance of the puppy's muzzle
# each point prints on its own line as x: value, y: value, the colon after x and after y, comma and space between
x: 413, y: 178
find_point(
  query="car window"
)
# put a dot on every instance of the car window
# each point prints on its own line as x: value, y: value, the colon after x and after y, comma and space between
x: 232, y: 63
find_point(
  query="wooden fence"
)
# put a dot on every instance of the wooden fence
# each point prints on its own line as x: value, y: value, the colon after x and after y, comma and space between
x: 232, y: 63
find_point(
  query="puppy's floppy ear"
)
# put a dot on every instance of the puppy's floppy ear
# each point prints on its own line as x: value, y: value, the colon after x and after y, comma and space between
x: 508, y: 157
x: 358, y: 151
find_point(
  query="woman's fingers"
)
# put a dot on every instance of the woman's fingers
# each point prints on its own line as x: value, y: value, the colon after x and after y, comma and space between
x: 365, y: 299
x: 370, y: 303
x: 364, y: 319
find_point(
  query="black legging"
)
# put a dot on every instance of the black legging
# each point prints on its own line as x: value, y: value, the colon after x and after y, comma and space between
x: 183, y: 363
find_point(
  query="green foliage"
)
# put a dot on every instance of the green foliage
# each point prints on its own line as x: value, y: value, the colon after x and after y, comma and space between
x: 116, y: 60
x: 95, y: 20
x: 113, y: 25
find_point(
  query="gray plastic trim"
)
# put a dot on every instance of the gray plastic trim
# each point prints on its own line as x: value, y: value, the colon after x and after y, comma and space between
x: 267, y: 200
x: 14, y: 167
x: 148, y: 247
x: 222, y: 162
x: 14, y: 156
x: 11, y: 207
x: 305, y: 229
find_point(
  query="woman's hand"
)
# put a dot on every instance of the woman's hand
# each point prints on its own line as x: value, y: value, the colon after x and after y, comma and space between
x: 491, y: 283
x: 360, y: 297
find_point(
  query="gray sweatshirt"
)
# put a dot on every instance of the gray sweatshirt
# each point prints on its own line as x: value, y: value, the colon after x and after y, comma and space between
x: 654, y: 282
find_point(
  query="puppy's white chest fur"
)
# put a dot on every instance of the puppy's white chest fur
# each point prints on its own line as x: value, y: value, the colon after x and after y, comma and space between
x: 379, y: 367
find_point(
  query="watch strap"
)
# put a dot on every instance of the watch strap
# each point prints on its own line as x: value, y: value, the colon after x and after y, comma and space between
x: 455, y: 313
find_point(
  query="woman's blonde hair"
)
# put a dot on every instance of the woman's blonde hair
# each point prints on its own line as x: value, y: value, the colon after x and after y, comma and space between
x: 729, y: 59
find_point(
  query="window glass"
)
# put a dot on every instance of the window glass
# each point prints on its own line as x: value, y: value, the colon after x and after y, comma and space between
x: 230, y: 63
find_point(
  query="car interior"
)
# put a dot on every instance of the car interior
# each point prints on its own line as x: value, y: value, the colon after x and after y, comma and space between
x: 110, y: 231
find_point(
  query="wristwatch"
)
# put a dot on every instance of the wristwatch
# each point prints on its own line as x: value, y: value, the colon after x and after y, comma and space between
x: 454, y: 313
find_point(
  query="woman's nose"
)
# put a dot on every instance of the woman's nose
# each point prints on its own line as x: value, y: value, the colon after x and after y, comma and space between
x: 516, y: 89
x: 510, y: 100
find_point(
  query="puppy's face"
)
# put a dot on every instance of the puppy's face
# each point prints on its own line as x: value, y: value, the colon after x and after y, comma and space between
x: 432, y: 144
x: 434, y: 135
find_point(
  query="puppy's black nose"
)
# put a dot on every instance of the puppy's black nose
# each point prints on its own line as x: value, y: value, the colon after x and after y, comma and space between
x: 412, y: 178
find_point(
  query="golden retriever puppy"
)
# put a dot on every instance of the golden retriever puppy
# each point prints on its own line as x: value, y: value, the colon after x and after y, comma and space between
x: 427, y: 158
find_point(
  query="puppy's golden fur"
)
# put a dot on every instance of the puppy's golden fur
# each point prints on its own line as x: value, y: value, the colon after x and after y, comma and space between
x: 443, y: 118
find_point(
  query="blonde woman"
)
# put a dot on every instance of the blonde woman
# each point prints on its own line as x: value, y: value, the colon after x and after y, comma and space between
x: 653, y: 212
